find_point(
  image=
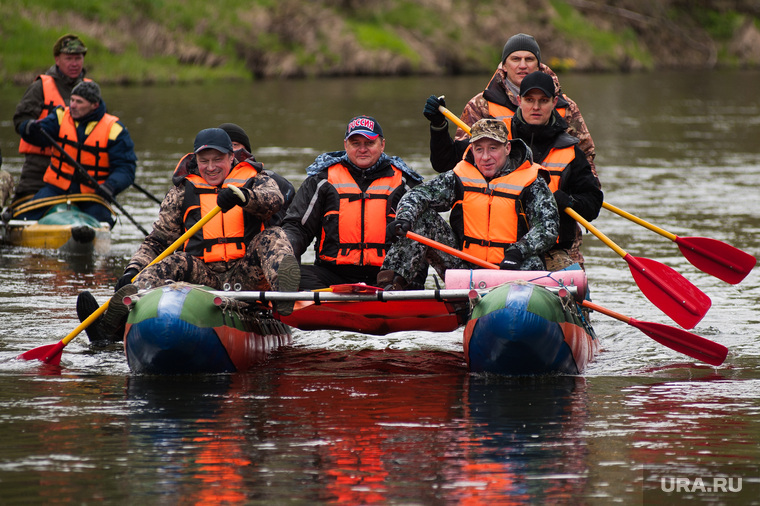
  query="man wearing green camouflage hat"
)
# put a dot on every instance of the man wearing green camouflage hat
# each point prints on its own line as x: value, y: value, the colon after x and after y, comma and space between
x: 502, y: 211
x: 49, y: 90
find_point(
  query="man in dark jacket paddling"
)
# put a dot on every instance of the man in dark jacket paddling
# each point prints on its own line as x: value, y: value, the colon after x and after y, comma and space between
x: 345, y: 204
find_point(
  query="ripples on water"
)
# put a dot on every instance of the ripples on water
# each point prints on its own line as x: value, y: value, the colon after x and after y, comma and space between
x: 355, y: 419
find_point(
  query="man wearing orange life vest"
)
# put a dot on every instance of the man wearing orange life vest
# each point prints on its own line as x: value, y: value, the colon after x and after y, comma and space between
x: 574, y: 185
x: 345, y: 203
x: 502, y: 211
x: 521, y: 56
x: 97, y: 140
x: 48, y: 91
x: 232, y: 249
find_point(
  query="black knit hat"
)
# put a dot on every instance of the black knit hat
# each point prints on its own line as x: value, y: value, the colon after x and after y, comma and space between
x: 521, y: 42
x: 237, y: 134
x: 88, y: 90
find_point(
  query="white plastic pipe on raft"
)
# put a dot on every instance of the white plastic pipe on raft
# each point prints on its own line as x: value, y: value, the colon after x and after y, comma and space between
x: 381, y: 296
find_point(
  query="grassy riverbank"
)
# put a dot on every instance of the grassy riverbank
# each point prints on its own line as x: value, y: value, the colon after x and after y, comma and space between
x: 152, y: 41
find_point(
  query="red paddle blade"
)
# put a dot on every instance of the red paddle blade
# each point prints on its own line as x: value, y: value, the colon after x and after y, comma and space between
x: 716, y: 258
x: 684, y: 342
x: 50, y: 353
x: 672, y: 293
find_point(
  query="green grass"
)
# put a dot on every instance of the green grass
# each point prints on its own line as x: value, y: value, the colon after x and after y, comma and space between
x: 603, y: 44
x: 374, y: 37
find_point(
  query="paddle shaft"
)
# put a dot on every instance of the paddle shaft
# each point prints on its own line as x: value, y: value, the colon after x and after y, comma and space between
x: 89, y: 178
x: 639, y: 221
x: 451, y: 251
x: 146, y: 193
x: 168, y: 251
x: 454, y: 118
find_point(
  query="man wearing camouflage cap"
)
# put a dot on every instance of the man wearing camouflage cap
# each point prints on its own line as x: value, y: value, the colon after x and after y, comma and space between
x: 47, y: 92
x: 502, y: 211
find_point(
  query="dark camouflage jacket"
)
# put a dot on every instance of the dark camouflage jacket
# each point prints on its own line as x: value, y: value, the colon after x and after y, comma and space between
x: 264, y: 200
x: 440, y: 195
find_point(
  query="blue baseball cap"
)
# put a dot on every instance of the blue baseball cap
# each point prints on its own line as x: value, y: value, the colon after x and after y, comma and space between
x: 212, y: 138
x: 364, y: 125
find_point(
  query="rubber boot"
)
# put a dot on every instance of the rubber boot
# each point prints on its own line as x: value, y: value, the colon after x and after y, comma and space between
x: 86, y: 305
x: 115, y: 317
x: 288, y: 280
x: 388, y: 280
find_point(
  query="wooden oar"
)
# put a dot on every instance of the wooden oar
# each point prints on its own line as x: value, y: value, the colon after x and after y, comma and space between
x: 90, y: 179
x: 676, y: 339
x: 714, y: 257
x: 672, y: 293
x: 51, y: 353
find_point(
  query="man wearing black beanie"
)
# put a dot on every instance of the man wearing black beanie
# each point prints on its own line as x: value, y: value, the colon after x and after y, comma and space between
x: 521, y: 56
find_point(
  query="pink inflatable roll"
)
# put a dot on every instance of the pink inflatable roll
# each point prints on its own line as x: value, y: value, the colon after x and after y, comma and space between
x: 485, y: 278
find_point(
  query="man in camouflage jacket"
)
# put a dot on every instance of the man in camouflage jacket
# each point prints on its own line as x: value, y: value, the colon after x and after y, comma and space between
x: 268, y: 262
x: 418, y: 211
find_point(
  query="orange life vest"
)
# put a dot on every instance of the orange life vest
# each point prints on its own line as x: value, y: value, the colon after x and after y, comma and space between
x: 556, y: 162
x: 361, y: 219
x: 92, y: 154
x: 225, y: 236
x: 51, y: 98
x: 490, y: 216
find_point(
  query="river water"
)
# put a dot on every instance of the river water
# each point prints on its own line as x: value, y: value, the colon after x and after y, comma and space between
x: 342, y: 418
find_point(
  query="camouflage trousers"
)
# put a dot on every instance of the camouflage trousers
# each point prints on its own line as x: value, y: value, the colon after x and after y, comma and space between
x: 257, y: 270
x: 408, y: 257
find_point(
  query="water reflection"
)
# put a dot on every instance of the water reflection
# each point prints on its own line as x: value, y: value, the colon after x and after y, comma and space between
x: 349, y: 438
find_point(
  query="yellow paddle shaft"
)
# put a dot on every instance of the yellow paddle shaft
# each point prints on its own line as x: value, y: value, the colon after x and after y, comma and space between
x: 168, y: 251
x: 639, y: 221
x: 455, y: 119
x: 591, y: 228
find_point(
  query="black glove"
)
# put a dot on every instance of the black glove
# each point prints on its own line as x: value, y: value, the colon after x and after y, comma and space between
x: 227, y: 199
x: 126, y: 278
x: 105, y: 191
x: 512, y: 260
x: 397, y: 229
x: 563, y: 200
x: 431, y: 111
x: 33, y: 128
